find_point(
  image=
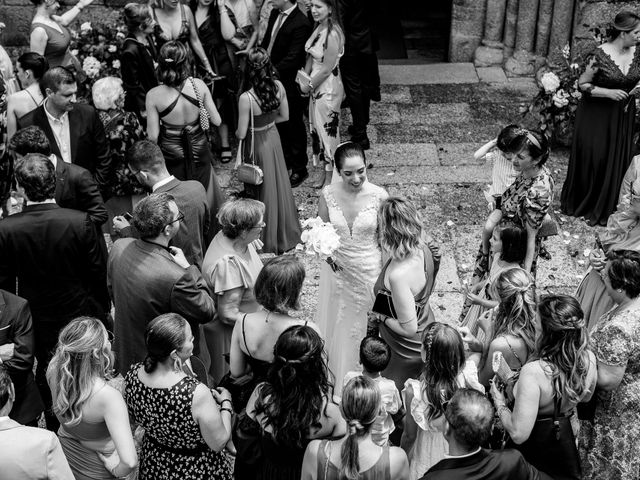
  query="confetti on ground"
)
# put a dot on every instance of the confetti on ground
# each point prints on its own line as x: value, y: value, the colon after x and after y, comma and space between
x: 566, y: 234
x: 450, y: 223
x: 586, y: 252
x: 390, y: 173
x: 576, y: 236
x: 567, y: 242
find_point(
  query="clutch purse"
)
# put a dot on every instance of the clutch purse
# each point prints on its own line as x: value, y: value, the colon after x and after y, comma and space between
x: 548, y: 228
x: 302, y: 78
x: 383, y: 305
x: 248, y: 173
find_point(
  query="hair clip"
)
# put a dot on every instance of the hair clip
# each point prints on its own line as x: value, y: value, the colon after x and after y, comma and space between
x: 168, y: 60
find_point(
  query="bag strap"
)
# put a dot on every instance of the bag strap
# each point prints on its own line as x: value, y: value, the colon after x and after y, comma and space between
x: 253, y: 162
x: 204, y: 115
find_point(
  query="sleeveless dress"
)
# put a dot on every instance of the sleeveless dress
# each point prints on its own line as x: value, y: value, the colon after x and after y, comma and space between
x: 325, y: 100
x: 430, y: 445
x: 282, y: 230
x: 172, y: 446
x: 381, y: 470
x: 162, y: 37
x: 187, y: 153
x: 406, y: 361
x: 84, y: 461
x: 602, y: 143
x: 57, y: 49
x: 346, y: 296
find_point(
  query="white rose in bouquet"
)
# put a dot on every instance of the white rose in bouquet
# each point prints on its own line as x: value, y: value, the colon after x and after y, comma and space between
x: 560, y: 98
x: 112, y: 49
x: 320, y: 239
x: 116, y: 64
x: 91, y: 66
x: 550, y: 82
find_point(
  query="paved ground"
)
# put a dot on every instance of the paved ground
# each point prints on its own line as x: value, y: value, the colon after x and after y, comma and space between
x: 424, y: 132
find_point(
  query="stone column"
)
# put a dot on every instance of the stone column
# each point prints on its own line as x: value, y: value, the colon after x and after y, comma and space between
x: 510, y: 22
x: 545, y: 12
x: 467, y: 22
x: 522, y: 61
x: 490, y: 52
x: 560, y: 31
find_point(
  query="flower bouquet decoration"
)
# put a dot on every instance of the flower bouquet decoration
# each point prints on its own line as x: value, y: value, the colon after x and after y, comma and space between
x: 320, y: 239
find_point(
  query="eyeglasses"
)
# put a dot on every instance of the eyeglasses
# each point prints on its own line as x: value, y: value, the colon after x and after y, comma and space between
x: 179, y: 218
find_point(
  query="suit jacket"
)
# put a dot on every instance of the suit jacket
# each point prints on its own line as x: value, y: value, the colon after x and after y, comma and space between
x: 16, y: 328
x: 288, y: 55
x: 145, y: 282
x: 138, y: 74
x: 89, y: 145
x: 358, y: 18
x: 486, y: 465
x: 76, y: 189
x: 30, y: 453
x: 191, y: 199
x: 59, y: 261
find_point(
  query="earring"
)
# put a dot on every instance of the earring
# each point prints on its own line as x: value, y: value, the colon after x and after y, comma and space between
x: 177, y: 364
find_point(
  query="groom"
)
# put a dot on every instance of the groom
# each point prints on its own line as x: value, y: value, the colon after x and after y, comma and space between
x: 287, y: 32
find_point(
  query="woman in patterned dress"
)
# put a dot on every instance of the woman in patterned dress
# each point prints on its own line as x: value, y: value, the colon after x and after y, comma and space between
x: 186, y: 424
x: 324, y: 49
x: 610, y: 445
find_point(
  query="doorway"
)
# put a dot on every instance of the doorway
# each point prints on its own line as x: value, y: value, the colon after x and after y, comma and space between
x: 414, y: 31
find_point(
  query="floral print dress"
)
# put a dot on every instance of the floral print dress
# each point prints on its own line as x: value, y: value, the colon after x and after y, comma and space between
x: 325, y: 99
x: 610, y: 447
x: 172, y: 447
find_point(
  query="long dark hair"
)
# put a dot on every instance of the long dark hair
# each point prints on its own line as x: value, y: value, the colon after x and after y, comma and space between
x: 333, y: 24
x: 444, y: 359
x: 261, y: 75
x: 298, y: 386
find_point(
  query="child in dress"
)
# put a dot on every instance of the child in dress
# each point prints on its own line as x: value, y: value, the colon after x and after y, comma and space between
x: 498, y: 152
x: 445, y: 370
x: 375, y: 354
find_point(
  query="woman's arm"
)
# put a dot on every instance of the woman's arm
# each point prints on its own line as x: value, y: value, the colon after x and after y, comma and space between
x: 153, y: 119
x: 229, y: 305
x: 609, y: 376
x: 519, y: 423
x: 410, y: 426
x: 486, y: 148
x: 70, y: 15
x: 323, y: 210
x: 531, y: 247
x: 116, y: 417
x: 12, y: 121
x: 194, y: 41
x: 237, y: 358
x: 585, y: 83
x: 209, y: 104
x: 214, y: 423
x: 253, y: 16
x: 310, y: 461
x: 243, y: 116
x: 283, y: 110
x: 404, y: 303
x: 328, y: 63
x: 38, y: 40
x: 227, y: 28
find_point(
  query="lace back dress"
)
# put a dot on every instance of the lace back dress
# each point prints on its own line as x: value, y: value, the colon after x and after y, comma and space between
x: 346, y: 296
x: 602, y: 143
x: 172, y: 446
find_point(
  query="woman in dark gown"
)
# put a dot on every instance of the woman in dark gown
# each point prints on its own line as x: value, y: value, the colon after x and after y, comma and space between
x: 602, y: 142
x: 175, y: 122
x: 215, y: 28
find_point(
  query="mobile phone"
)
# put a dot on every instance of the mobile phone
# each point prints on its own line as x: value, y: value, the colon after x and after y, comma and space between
x: 127, y: 216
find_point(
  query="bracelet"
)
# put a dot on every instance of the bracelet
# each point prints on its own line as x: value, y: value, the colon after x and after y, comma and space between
x: 226, y: 400
x: 502, y: 408
x: 225, y: 409
x: 310, y: 84
x: 78, y: 7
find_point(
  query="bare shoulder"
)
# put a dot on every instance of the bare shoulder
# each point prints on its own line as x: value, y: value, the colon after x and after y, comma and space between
x: 398, y: 462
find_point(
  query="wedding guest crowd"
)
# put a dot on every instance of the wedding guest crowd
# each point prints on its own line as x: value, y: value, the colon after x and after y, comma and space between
x: 176, y: 351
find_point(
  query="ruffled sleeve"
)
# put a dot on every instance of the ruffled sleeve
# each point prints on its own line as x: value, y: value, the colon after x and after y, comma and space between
x: 468, y: 378
x: 419, y: 409
x: 612, y: 342
x: 390, y: 396
x: 537, y: 201
x: 228, y: 273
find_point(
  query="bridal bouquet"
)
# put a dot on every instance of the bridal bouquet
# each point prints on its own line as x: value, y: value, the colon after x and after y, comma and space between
x: 319, y: 238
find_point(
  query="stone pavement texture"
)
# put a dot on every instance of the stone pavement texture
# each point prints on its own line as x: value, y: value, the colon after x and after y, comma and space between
x: 424, y: 132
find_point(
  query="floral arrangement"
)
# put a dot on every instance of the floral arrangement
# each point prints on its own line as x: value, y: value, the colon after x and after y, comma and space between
x: 319, y: 238
x: 557, y: 101
x: 97, y: 48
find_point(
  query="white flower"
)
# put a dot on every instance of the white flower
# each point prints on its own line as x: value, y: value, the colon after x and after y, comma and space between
x: 91, y: 66
x: 574, y: 66
x: 560, y: 98
x: 550, y: 82
x: 319, y: 238
x: 566, y: 51
x: 577, y: 94
x: 120, y: 35
x: 116, y: 64
x: 112, y: 49
x: 86, y: 27
x: 74, y: 52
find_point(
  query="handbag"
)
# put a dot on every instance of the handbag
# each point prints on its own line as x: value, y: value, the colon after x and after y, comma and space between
x: 548, y: 228
x: 204, y: 115
x: 249, y: 173
x: 240, y: 389
x: 383, y: 305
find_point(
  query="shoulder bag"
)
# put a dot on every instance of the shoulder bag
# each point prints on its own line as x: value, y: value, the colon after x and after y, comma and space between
x: 248, y: 173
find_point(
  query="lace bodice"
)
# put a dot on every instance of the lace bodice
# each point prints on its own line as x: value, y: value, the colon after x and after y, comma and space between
x: 609, y: 75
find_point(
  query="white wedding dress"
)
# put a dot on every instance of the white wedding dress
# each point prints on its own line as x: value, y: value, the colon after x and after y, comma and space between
x: 346, y: 296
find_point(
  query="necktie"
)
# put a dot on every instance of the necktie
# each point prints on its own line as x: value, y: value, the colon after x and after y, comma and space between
x: 274, y: 33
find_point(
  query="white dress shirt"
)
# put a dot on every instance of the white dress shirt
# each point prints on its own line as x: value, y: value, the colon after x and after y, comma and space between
x: 162, y: 182
x: 60, y: 128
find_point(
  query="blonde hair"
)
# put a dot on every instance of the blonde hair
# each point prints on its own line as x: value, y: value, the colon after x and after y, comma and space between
x: 400, y: 229
x: 82, y: 355
x: 106, y: 93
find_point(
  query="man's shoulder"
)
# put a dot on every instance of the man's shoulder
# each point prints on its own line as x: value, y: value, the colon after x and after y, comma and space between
x: 31, y: 436
x: 500, y: 462
x: 192, y: 187
x: 10, y: 299
x: 299, y: 19
x: 83, y: 110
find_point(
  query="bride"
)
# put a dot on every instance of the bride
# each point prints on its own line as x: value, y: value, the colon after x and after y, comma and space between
x: 346, y: 288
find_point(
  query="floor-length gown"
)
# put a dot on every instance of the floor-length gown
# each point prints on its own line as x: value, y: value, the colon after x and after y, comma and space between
x: 346, y: 296
x: 282, y: 226
x: 325, y: 100
x: 602, y: 143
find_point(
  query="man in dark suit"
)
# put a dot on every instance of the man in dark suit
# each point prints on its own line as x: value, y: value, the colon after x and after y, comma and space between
x: 58, y: 260
x: 74, y: 130
x: 287, y: 32
x: 147, y: 163
x: 147, y: 277
x: 359, y: 64
x: 16, y: 354
x: 469, y: 418
x: 75, y: 187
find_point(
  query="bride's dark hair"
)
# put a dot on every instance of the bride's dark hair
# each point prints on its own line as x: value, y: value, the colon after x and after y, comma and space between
x: 261, y: 75
x: 298, y: 386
